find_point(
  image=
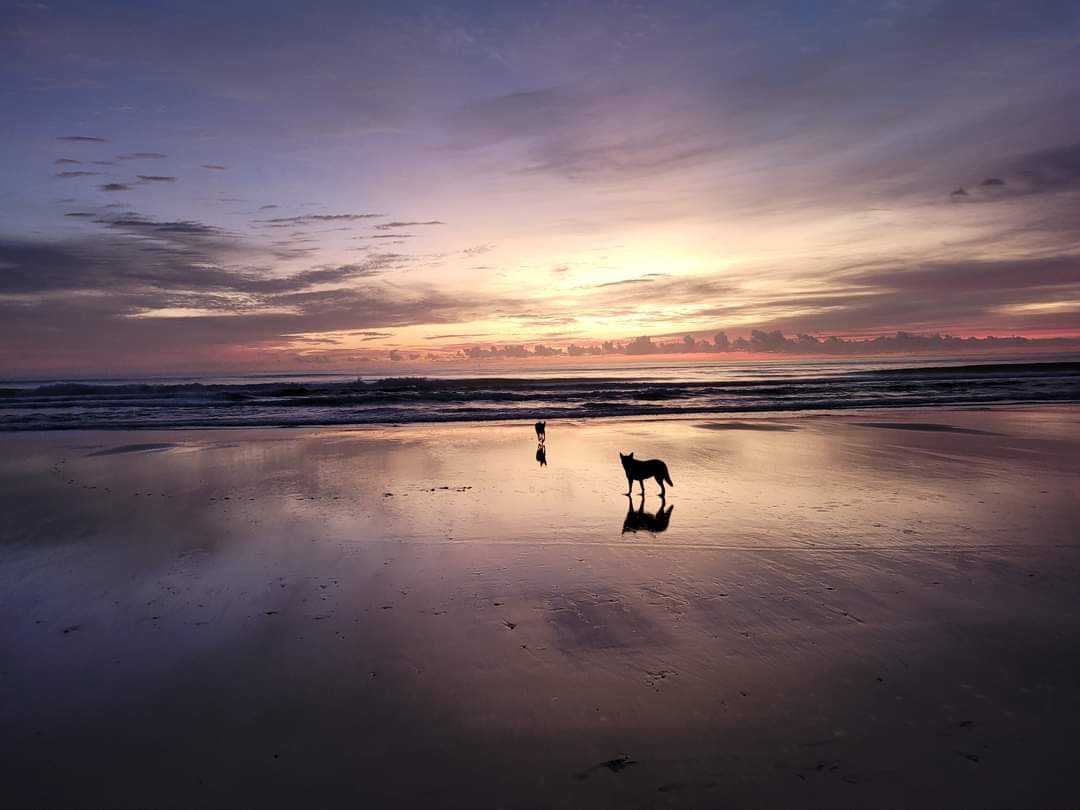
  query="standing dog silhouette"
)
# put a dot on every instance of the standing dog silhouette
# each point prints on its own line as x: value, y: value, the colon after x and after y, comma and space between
x: 541, y: 436
x: 640, y: 470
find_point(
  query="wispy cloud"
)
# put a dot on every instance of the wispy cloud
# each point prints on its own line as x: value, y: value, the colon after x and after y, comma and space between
x: 383, y: 226
x: 308, y: 219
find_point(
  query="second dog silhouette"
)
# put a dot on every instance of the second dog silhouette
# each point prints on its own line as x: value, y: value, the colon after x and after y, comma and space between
x: 640, y: 470
x: 541, y: 434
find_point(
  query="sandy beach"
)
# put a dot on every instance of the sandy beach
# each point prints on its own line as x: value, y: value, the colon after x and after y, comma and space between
x: 847, y: 610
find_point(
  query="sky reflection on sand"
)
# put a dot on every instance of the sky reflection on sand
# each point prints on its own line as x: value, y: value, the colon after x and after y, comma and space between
x: 402, y: 594
x: 811, y: 483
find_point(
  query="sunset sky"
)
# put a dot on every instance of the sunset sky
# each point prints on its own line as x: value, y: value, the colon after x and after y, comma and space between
x: 272, y: 185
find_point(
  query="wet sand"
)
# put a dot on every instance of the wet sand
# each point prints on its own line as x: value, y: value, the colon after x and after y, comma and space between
x: 851, y: 610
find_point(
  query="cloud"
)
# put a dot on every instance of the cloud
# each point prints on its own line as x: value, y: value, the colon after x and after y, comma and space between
x: 959, y: 295
x: 66, y: 161
x: 1047, y: 171
x: 308, y: 219
x: 142, y: 156
x: 383, y: 226
x: 155, y: 178
x: 81, y: 139
x: 623, y: 282
x: 103, y: 162
x: 151, y: 292
x: 141, y: 225
x: 267, y: 207
x: 76, y: 174
x: 115, y: 187
x: 215, y: 167
x: 478, y: 250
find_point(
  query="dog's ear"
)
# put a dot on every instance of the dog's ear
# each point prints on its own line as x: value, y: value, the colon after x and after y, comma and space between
x: 631, y: 454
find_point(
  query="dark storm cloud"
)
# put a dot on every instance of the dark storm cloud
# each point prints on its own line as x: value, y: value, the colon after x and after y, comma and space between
x: 83, y: 214
x: 155, y: 178
x: 81, y: 139
x: 115, y: 187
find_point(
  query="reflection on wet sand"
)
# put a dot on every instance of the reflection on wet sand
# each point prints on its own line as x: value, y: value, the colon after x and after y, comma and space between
x: 640, y: 520
x: 271, y: 617
x: 541, y: 454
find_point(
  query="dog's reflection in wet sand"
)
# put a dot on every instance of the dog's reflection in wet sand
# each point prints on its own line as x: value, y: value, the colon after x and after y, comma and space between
x: 541, y: 455
x: 641, y: 520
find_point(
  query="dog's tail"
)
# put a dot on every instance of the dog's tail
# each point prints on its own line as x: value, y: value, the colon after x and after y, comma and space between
x: 667, y: 477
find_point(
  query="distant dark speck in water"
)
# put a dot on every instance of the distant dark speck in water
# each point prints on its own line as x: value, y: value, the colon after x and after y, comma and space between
x: 511, y: 625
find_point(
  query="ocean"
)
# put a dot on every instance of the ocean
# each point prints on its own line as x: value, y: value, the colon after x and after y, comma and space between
x: 583, y: 392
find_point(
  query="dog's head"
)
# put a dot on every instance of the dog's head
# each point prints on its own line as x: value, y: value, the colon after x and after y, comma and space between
x: 626, y: 459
